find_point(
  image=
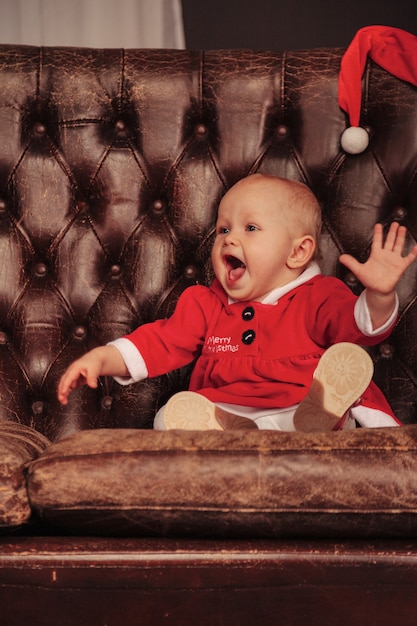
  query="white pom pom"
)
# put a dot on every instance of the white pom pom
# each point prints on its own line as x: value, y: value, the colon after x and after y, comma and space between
x: 354, y: 140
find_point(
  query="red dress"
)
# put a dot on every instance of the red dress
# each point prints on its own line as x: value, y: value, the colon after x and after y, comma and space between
x: 254, y: 354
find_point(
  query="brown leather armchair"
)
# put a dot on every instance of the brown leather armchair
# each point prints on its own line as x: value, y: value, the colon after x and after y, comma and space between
x: 112, y: 164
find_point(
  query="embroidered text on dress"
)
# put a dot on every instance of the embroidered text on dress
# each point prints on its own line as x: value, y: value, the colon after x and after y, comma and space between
x: 215, y: 344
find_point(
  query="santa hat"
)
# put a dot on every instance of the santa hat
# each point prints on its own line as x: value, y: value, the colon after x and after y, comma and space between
x: 393, y: 49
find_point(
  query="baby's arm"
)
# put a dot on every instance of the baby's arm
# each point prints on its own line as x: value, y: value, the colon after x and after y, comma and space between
x: 102, y: 361
x: 382, y: 271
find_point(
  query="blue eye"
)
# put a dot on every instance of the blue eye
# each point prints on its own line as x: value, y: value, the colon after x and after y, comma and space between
x: 223, y: 230
x: 251, y: 228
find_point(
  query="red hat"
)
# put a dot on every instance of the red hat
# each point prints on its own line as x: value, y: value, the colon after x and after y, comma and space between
x: 393, y: 49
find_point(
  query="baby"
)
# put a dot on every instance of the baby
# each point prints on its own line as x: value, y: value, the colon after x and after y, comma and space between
x: 278, y: 343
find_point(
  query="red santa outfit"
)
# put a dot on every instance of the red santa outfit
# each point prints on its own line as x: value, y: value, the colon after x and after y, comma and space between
x: 258, y: 358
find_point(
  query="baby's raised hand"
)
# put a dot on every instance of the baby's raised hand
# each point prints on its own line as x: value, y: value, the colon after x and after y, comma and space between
x: 386, y: 263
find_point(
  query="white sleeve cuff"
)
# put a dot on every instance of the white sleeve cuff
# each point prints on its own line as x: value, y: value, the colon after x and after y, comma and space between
x: 363, y: 317
x: 133, y: 361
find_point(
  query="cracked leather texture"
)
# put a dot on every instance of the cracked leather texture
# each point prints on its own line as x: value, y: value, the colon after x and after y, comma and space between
x: 230, y: 484
x: 19, y: 445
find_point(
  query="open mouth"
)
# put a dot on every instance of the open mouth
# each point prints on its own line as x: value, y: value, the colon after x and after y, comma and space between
x: 235, y: 267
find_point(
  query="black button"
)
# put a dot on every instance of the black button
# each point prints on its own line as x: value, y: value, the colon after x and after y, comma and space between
x: 248, y: 314
x: 248, y: 337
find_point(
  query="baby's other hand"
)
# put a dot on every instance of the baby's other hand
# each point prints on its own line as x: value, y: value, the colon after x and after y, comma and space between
x: 84, y: 371
x: 386, y: 263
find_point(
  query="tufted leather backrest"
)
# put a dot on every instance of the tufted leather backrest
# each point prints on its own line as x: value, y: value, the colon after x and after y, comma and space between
x: 112, y: 164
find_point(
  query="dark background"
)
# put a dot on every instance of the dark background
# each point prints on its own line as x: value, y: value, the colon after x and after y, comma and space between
x: 289, y: 24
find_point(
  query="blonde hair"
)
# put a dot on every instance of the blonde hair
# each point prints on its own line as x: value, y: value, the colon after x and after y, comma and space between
x: 299, y: 204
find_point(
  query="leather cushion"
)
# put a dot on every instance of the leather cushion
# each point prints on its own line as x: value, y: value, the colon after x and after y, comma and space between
x: 19, y: 445
x: 235, y: 483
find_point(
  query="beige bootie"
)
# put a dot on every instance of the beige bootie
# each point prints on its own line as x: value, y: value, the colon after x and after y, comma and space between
x: 342, y: 375
x: 188, y: 410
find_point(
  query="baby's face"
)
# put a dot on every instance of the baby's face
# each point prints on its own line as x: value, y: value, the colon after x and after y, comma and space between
x: 252, y: 243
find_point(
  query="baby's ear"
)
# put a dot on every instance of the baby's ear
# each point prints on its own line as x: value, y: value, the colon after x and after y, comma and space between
x: 302, y: 252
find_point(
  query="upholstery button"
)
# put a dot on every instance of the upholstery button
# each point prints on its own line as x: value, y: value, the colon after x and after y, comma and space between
x: 248, y: 337
x: 201, y: 130
x: 248, y: 314
x: 39, y: 128
x: 115, y: 270
x: 82, y: 207
x: 386, y: 350
x: 190, y: 271
x: 351, y: 279
x: 2, y: 206
x: 400, y: 213
x: 107, y: 402
x: 41, y: 269
x: 37, y: 407
x: 80, y: 332
x: 3, y: 339
x: 282, y: 130
x: 158, y: 206
x: 120, y: 126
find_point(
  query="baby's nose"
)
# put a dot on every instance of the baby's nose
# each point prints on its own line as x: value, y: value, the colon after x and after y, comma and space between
x: 230, y: 238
